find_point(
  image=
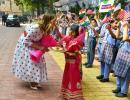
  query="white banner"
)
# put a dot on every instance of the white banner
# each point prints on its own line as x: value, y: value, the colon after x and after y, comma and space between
x: 106, y: 5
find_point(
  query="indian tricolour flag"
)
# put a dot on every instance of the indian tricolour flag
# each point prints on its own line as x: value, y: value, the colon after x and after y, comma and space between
x: 84, y: 21
x: 82, y: 12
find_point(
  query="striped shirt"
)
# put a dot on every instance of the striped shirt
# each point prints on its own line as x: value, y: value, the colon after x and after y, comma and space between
x: 109, y: 38
x: 91, y: 32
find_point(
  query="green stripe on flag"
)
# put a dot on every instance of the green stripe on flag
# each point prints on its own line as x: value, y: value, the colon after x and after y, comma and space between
x: 105, y: 1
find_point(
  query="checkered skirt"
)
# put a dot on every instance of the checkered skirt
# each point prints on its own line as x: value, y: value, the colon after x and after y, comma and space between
x: 107, y: 53
x: 122, y: 63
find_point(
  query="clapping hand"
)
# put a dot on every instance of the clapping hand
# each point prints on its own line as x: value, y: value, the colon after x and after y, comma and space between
x: 119, y: 25
x: 108, y: 27
x: 124, y: 24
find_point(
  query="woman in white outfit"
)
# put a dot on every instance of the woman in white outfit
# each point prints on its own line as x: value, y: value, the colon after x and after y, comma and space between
x: 22, y: 66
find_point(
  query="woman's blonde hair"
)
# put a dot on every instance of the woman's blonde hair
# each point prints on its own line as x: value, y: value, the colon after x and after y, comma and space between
x: 45, y: 23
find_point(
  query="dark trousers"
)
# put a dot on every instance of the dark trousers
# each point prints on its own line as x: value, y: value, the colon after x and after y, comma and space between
x: 91, y: 50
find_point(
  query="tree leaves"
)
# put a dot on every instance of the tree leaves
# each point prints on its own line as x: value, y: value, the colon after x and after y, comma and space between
x: 31, y: 5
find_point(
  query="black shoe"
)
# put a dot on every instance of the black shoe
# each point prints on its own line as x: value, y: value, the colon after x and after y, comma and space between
x: 116, y: 90
x: 88, y: 66
x: 111, y: 71
x: 104, y: 80
x: 100, y: 77
x: 85, y: 64
x: 121, y: 95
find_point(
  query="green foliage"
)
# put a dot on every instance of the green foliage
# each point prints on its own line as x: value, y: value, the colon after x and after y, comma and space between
x: 75, y: 9
x: 27, y: 4
x: 31, y: 5
x: 122, y: 3
x: 18, y: 2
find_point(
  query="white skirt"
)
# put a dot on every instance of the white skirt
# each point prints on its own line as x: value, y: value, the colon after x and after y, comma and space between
x: 24, y: 69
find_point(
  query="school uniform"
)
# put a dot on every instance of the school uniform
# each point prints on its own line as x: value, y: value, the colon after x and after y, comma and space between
x: 122, y: 69
x: 107, y: 55
x: 101, y: 41
x: 91, y: 41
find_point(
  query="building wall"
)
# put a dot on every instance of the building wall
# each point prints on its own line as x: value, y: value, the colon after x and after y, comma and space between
x: 9, y: 8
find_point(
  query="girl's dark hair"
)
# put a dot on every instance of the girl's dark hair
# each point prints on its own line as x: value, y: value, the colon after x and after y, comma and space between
x: 113, y: 20
x: 75, y: 28
x: 93, y: 20
x: 129, y: 21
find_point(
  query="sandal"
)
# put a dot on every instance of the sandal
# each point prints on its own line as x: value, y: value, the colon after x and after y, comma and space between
x: 33, y: 87
x: 38, y: 85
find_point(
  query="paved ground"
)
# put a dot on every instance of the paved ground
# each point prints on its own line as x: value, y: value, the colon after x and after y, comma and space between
x: 14, y: 89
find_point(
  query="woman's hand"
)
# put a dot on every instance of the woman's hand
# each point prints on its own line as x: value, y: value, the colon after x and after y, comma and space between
x: 36, y: 46
x: 44, y: 49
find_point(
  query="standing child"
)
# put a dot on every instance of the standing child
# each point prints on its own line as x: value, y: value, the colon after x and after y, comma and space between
x: 122, y: 64
x: 71, y: 83
x: 108, y: 49
x: 92, y: 34
x: 101, y: 42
